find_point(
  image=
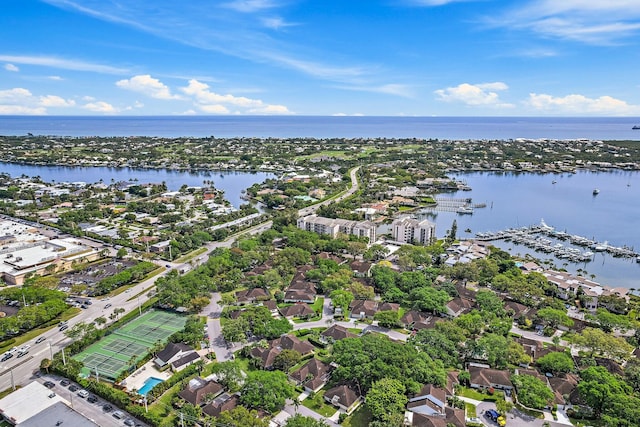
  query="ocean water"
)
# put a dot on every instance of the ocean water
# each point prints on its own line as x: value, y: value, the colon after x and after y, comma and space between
x: 460, y: 128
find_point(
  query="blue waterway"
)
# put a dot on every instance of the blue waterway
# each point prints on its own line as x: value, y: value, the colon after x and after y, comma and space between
x: 231, y: 182
x: 598, y: 128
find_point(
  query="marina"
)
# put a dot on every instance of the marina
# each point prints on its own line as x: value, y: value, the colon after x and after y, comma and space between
x: 539, y: 237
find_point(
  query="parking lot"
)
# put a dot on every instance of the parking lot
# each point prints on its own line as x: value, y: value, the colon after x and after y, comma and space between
x: 91, y: 406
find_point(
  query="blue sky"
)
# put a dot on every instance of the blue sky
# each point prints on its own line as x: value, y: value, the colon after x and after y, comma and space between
x: 322, y: 57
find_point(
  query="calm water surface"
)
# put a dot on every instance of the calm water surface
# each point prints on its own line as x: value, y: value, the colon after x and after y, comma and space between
x: 230, y: 181
x: 516, y: 200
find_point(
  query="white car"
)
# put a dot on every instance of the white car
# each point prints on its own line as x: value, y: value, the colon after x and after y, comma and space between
x: 83, y: 394
x: 24, y: 347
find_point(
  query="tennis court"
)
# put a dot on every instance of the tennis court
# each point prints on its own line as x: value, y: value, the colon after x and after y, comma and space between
x: 118, y: 351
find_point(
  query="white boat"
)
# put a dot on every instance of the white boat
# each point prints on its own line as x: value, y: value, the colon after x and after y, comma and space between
x: 600, y: 247
x: 465, y: 210
x: 596, y: 191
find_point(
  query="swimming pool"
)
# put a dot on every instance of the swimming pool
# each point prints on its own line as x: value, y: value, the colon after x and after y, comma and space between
x: 148, y: 385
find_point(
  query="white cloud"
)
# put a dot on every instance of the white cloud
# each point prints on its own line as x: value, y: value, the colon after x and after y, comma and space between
x: 348, y: 115
x: 55, y: 78
x: 11, y: 67
x: 580, y: 104
x: 250, y: 6
x: 100, y: 107
x: 22, y: 101
x: 587, y: 21
x: 147, y: 85
x: 479, y: 94
x: 276, y: 23
x: 389, y: 89
x: 56, y: 101
x: 65, y: 64
x: 214, y: 103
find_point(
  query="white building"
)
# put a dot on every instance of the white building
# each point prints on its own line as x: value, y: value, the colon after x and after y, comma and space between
x: 335, y: 226
x: 410, y: 230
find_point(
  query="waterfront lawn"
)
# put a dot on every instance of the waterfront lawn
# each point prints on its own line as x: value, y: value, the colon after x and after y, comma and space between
x: 317, y: 404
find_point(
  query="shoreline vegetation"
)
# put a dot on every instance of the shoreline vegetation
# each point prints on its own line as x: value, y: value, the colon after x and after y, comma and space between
x: 283, y: 154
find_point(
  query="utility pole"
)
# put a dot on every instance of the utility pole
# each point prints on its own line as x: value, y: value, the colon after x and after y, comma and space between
x: 64, y: 361
x: 13, y: 384
x: 146, y: 409
x: 97, y: 374
x: 139, y: 307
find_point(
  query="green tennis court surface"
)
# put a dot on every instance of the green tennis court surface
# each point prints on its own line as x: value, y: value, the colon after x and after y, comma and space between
x: 118, y: 351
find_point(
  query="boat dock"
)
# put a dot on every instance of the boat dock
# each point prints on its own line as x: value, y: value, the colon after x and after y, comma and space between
x: 539, y: 237
x: 461, y: 206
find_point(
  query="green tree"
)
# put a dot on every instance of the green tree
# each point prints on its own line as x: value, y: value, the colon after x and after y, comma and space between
x: 556, y: 363
x: 387, y: 318
x: 532, y: 392
x: 242, y: 417
x: 607, y: 345
x: 287, y: 359
x: 301, y: 421
x: 386, y: 398
x: 598, y: 386
x: 266, y: 390
x: 342, y: 299
x: 554, y: 318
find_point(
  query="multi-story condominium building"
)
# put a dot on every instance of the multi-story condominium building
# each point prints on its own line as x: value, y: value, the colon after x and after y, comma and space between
x: 335, y: 226
x: 410, y: 230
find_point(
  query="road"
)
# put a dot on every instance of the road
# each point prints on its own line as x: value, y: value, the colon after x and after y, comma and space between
x: 22, y: 369
x: 354, y: 187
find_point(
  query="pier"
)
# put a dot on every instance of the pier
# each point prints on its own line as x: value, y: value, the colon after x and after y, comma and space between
x: 461, y: 206
x: 539, y: 237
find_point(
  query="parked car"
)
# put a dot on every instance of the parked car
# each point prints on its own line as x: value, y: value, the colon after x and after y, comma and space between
x: 92, y: 399
x: 40, y: 339
x: 129, y: 422
x: 65, y: 382
x: 83, y: 394
x: 107, y: 408
x: 118, y: 414
x: 49, y: 384
x: 73, y: 388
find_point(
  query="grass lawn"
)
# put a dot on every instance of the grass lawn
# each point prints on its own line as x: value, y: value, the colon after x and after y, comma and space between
x: 317, y: 305
x: 471, y: 409
x: 360, y: 418
x: 162, y: 407
x: 474, y: 394
x: 318, y: 405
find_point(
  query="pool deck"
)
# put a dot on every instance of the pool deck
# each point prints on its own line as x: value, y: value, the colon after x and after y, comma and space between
x: 137, y: 379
